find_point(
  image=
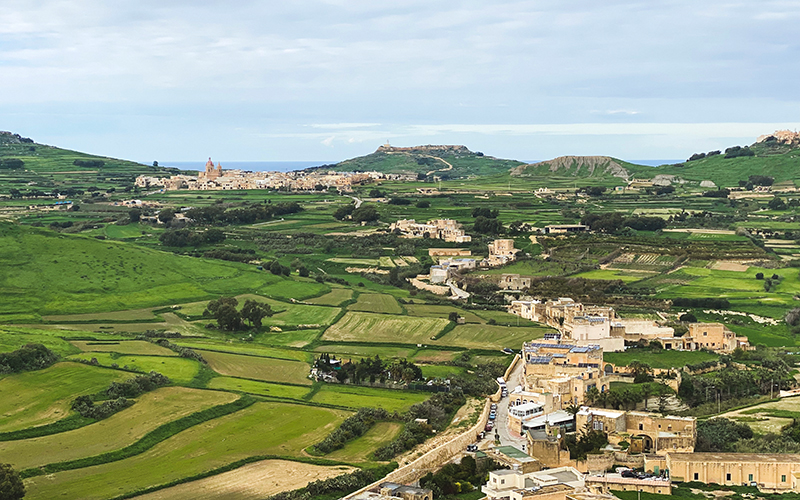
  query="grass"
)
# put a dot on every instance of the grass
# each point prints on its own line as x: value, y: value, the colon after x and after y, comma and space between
x: 491, y: 336
x: 267, y: 369
x: 179, y: 370
x: 333, y: 298
x: 376, y: 303
x: 357, y: 397
x: 291, y: 338
x: 294, y: 314
x: 32, y: 398
x: 118, y: 431
x: 441, y: 371
x: 12, y: 338
x: 123, y: 347
x: 244, y: 348
x: 435, y: 311
x: 263, y: 428
x: 50, y: 273
x: 613, y: 274
x: 258, y: 388
x: 659, y: 359
x: 130, y: 315
x: 360, y: 449
x: 360, y: 326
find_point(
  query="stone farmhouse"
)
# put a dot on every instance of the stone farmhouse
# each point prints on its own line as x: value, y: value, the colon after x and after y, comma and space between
x: 646, y: 432
x: 440, y: 229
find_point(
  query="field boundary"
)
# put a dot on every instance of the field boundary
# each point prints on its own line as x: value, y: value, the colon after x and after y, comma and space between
x: 148, y: 441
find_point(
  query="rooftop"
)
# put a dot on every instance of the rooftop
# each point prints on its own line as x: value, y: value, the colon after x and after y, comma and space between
x: 712, y: 457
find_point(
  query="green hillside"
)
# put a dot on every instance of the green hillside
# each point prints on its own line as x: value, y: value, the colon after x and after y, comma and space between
x: 443, y: 161
x: 30, y: 165
x: 780, y: 161
x: 42, y: 272
x: 601, y: 167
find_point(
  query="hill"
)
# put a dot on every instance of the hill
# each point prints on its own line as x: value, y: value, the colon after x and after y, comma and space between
x: 443, y: 161
x: 776, y: 155
x: 579, y: 166
x: 43, y: 272
x: 26, y: 162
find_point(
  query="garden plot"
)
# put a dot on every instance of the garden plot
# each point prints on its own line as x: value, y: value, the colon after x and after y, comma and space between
x: 377, y: 303
x: 254, y: 367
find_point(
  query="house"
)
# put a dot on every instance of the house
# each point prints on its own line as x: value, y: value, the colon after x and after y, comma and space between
x: 565, y: 228
x: 710, y: 336
x: 550, y: 484
x: 513, y: 282
x: 501, y: 252
x: 646, y: 432
x: 771, y: 472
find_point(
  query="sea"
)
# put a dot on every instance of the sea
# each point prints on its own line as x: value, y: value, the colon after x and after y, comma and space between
x: 252, y: 166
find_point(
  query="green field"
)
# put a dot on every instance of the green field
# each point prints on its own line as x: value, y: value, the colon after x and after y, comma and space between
x: 659, y: 359
x: 333, y: 298
x: 179, y: 370
x: 368, y: 327
x: 357, y: 397
x: 613, y: 274
x: 12, y: 338
x: 131, y: 315
x: 360, y: 449
x: 244, y: 348
x: 441, y: 371
x: 31, y: 399
x: 491, y: 336
x: 259, y: 388
x: 267, y: 369
x: 52, y: 273
x: 376, y: 303
x: 436, y: 311
x: 121, y: 429
x: 262, y: 429
x: 123, y: 347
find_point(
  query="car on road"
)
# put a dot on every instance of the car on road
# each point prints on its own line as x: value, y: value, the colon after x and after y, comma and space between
x: 472, y: 447
x: 492, y: 416
x: 489, y: 426
x: 493, y: 407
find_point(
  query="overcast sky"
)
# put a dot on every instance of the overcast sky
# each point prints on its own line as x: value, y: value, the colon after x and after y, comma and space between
x: 328, y: 80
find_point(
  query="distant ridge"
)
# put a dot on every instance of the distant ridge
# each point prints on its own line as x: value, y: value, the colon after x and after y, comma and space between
x: 576, y: 166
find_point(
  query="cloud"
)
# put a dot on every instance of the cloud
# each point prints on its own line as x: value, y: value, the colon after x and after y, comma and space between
x: 328, y: 141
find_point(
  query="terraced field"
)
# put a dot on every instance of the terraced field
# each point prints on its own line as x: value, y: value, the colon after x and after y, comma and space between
x: 259, y: 388
x: 358, y: 397
x: 123, y: 347
x: 333, y: 298
x: 368, y: 327
x: 376, y: 303
x: 254, y: 481
x: 179, y: 370
x: 490, y: 336
x: 122, y: 429
x: 261, y: 429
x: 259, y: 368
x: 31, y: 399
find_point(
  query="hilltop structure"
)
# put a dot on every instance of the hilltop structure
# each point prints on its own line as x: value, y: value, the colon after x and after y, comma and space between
x: 439, y: 229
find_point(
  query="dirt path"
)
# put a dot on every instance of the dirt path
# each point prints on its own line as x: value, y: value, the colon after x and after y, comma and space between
x: 251, y: 482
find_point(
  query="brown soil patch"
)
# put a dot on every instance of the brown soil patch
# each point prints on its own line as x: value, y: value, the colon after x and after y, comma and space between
x: 727, y: 265
x: 251, y: 482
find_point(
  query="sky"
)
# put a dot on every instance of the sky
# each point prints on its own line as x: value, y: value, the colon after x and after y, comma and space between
x: 332, y: 79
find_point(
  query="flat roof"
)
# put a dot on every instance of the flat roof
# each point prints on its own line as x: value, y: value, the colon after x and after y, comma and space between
x: 512, y: 451
x: 554, y: 418
x: 737, y: 457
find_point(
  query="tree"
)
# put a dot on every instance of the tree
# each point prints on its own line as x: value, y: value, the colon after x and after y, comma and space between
x: 641, y: 372
x: 135, y: 214
x: 214, y: 235
x: 688, y: 318
x: 11, y: 487
x: 365, y: 214
x: 423, y: 204
x: 155, y: 163
x: 453, y: 316
x: 254, y: 312
x: 166, y: 215
x: 776, y: 204
x: 225, y: 312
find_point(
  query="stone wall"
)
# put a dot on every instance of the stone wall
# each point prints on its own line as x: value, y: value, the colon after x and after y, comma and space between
x: 434, y: 459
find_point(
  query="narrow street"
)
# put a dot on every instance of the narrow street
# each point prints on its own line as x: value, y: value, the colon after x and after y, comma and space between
x: 507, y: 437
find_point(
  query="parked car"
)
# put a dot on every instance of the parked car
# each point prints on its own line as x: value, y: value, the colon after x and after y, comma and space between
x: 489, y: 426
x: 472, y: 447
x: 493, y: 407
x: 492, y: 416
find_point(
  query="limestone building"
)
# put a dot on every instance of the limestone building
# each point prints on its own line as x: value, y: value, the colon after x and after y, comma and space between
x: 646, y: 432
x: 771, y: 472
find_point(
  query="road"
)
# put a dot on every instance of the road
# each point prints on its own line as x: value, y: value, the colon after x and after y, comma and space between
x: 508, y: 437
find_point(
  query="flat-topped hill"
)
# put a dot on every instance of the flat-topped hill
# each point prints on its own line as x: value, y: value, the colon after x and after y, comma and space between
x: 445, y: 161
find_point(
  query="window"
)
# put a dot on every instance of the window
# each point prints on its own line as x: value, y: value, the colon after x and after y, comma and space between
x: 641, y: 427
x: 783, y: 478
x: 502, y: 481
x: 696, y: 476
x: 597, y: 425
x: 728, y: 476
x: 749, y: 477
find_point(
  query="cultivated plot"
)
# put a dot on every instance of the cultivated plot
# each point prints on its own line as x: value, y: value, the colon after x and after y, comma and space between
x: 123, y: 347
x: 376, y: 303
x: 253, y: 367
x: 261, y: 429
x: 180, y: 370
x: 368, y: 397
x: 368, y: 327
x: 491, y: 336
x: 119, y: 430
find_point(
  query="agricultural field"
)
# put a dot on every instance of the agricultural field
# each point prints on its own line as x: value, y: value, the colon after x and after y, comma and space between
x: 360, y: 449
x: 258, y: 368
x: 261, y: 429
x: 768, y: 417
x: 179, y: 370
x: 659, y: 359
x: 368, y: 327
x: 357, y: 397
x: 258, y: 388
x: 31, y: 399
x: 122, y: 429
x: 243, y: 348
x: 436, y: 311
x: 490, y: 336
x: 258, y: 480
x: 376, y: 303
x: 123, y: 347
x: 333, y: 298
